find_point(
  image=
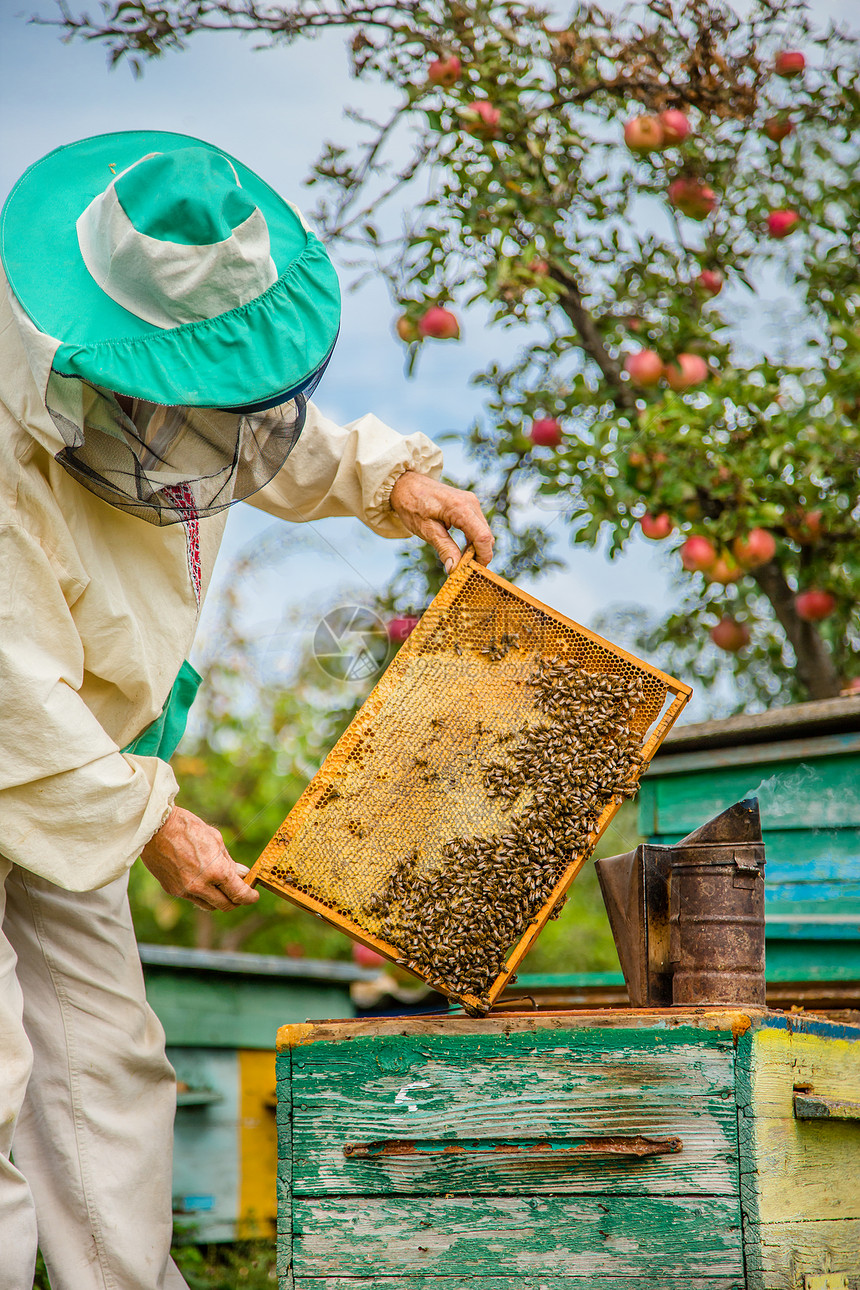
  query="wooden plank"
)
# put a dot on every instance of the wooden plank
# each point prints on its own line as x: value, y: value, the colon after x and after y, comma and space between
x: 784, y: 1253
x: 283, y: 1076
x: 518, y: 1282
x: 792, y: 795
x: 510, y: 1023
x: 806, y: 865
x: 841, y: 713
x: 580, y: 1238
x: 212, y: 1010
x: 258, y: 1146
x: 792, y: 1170
x: 807, y: 871
x: 683, y: 763
x: 490, y: 1093
x: 825, y: 855
x: 810, y: 1106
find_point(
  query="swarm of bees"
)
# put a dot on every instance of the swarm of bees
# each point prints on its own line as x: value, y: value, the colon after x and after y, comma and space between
x: 455, y: 920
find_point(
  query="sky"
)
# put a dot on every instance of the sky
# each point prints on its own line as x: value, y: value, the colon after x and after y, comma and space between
x: 273, y: 109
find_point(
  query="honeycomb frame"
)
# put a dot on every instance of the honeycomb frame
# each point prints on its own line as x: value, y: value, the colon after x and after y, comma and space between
x: 450, y: 646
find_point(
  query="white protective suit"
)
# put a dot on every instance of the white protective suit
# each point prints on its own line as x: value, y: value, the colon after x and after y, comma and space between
x: 98, y: 613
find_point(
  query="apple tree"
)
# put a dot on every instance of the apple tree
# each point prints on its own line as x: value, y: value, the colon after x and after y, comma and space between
x: 665, y: 201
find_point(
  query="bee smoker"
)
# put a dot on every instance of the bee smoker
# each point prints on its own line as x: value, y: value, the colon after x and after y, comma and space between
x: 688, y: 919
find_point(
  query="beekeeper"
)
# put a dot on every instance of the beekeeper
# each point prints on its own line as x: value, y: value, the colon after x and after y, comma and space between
x: 165, y: 318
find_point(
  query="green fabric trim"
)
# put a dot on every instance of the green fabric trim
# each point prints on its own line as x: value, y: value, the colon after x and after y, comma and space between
x: 244, y: 356
x: 161, y: 737
x: 192, y: 175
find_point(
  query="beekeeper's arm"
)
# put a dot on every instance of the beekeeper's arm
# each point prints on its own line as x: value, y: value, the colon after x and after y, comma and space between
x: 389, y: 481
x: 73, y: 808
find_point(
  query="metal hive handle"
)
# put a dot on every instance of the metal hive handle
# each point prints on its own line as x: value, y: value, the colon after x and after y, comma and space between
x: 539, y: 1150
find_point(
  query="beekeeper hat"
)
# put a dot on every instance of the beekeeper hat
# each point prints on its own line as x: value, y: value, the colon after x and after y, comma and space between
x: 168, y: 271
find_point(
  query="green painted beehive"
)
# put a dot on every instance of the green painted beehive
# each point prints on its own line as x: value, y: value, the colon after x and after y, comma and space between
x: 662, y: 1150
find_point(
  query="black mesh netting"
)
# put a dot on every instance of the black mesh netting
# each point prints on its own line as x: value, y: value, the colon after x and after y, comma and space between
x: 162, y: 463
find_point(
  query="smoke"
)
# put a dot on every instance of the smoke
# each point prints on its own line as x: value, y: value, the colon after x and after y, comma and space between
x: 788, y: 794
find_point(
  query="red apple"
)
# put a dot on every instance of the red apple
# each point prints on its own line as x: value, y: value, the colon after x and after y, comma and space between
x: 539, y: 268
x: 778, y: 128
x: 724, y: 570
x: 697, y: 555
x: 710, y: 280
x: 645, y: 367
x: 482, y: 118
x: 756, y: 548
x: 789, y: 62
x: 852, y: 686
x: 656, y: 526
x: 546, y: 432
x: 401, y: 628
x: 366, y: 957
x: 676, y: 126
x: 445, y: 71
x: 643, y: 134
x: 407, y: 330
x: 812, y: 606
x: 804, y: 527
x: 692, y: 197
x: 687, y: 371
x: 781, y: 223
x: 730, y: 635
x: 439, y: 323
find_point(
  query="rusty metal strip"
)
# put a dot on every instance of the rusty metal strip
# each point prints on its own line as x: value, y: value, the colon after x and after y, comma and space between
x: 637, y: 1146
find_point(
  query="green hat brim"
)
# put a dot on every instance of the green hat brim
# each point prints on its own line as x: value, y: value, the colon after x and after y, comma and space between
x: 246, y: 355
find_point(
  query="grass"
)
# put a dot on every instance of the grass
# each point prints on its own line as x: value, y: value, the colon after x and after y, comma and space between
x: 246, y: 1265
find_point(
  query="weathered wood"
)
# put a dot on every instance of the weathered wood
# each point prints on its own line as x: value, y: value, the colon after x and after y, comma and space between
x: 519, y: 1282
x: 225, y: 1010
x: 792, y: 722
x: 796, y: 1176
x: 808, y: 1106
x: 782, y: 1254
x: 258, y: 1145
x: 382, y: 1224
x: 582, y: 1238
x: 733, y: 1020
x: 588, y: 1084
x: 793, y: 795
x: 805, y: 870
x: 285, y: 1170
x: 683, y: 762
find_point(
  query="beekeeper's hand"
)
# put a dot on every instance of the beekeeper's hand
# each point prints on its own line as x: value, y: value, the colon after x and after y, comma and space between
x: 189, y: 859
x: 429, y: 509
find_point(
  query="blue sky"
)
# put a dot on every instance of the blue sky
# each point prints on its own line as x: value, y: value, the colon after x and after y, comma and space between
x: 274, y: 109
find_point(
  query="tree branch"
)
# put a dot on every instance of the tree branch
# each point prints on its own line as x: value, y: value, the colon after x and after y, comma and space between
x: 592, y: 342
x: 816, y: 670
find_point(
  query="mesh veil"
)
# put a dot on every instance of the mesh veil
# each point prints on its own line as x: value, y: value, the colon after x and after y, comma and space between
x: 159, y: 462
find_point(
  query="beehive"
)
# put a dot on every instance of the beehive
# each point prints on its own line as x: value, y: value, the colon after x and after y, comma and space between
x: 448, y: 821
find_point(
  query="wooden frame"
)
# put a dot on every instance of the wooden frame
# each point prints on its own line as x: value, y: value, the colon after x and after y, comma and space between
x: 385, y: 687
